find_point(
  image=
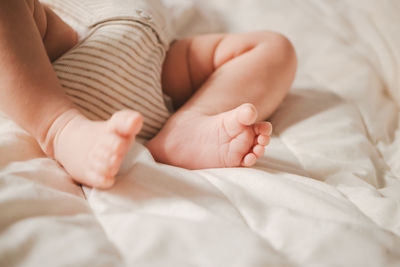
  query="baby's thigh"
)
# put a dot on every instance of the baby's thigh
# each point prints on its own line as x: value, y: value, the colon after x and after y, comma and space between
x: 58, y: 37
x: 191, y: 61
x: 188, y: 64
x: 39, y: 15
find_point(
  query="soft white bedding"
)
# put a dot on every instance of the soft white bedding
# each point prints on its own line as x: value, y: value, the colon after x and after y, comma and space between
x: 326, y: 193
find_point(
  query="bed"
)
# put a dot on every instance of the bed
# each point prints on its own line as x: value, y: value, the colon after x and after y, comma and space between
x: 326, y: 192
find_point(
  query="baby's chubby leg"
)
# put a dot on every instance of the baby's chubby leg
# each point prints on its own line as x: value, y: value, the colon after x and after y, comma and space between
x: 224, y: 86
x: 32, y: 96
x: 58, y: 37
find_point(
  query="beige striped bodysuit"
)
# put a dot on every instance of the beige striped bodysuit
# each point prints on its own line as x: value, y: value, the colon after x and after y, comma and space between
x: 117, y: 63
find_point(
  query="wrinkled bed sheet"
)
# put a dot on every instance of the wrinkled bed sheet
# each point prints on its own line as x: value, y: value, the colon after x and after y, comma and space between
x: 326, y: 193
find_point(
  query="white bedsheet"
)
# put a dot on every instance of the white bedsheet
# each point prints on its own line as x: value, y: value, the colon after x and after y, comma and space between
x: 326, y: 193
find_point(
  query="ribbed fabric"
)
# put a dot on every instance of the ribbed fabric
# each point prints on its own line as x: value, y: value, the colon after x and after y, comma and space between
x: 116, y: 66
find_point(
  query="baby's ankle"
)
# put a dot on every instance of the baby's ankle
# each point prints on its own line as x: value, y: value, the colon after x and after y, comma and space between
x: 49, y: 136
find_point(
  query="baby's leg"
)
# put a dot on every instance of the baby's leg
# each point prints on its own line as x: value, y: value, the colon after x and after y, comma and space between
x: 222, y: 84
x: 31, y: 95
x: 58, y: 37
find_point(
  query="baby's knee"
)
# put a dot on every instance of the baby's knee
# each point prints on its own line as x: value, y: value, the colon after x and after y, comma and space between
x: 278, y: 50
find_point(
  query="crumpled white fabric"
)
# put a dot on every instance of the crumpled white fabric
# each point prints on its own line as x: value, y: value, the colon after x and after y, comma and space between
x: 326, y: 193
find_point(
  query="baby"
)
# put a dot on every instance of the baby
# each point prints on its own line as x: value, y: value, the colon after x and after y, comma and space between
x: 222, y: 87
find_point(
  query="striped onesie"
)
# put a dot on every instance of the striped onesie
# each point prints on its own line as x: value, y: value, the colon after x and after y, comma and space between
x: 118, y: 61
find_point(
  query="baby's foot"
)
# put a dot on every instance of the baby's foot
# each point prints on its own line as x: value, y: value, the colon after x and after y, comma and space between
x: 92, y: 151
x: 196, y: 141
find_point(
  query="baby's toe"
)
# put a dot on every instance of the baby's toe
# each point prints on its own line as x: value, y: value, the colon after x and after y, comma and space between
x: 249, y: 160
x: 263, y: 128
x: 115, y: 144
x: 100, y: 181
x: 107, y: 157
x: 263, y: 140
x: 114, y: 164
x: 246, y: 137
x: 100, y: 153
x: 125, y: 123
x: 104, y: 169
x: 100, y: 168
x: 259, y: 151
x: 246, y: 114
